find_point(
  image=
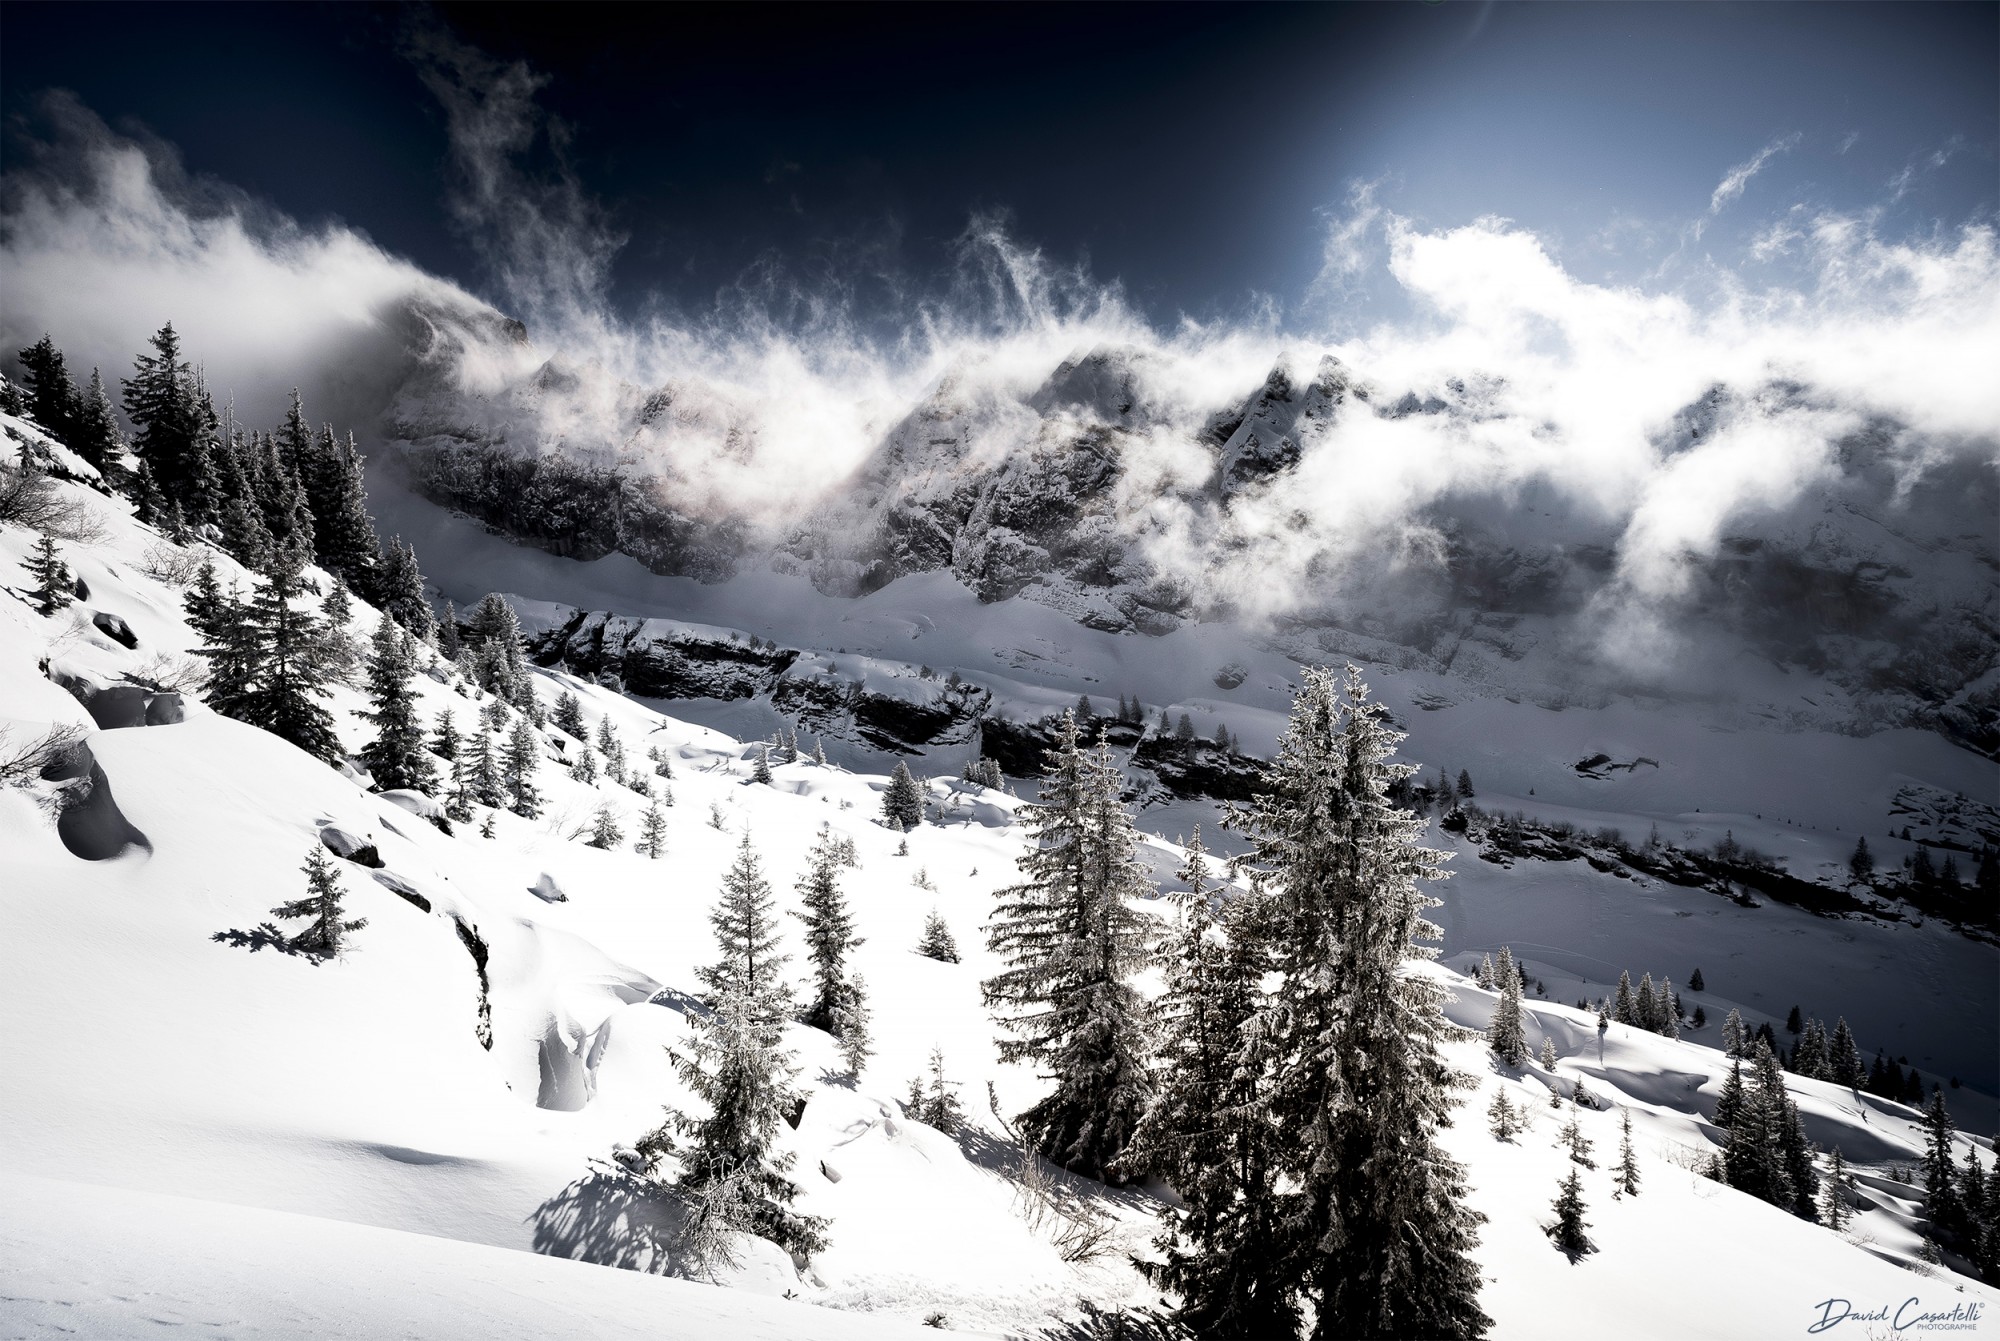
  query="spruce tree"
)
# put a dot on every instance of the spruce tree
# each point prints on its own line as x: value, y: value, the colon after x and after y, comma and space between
x: 653, y: 831
x: 1626, y: 1175
x: 289, y: 673
x: 1568, y: 1230
x: 51, y: 395
x: 1666, y: 1010
x: 54, y: 587
x: 444, y: 738
x: 903, y: 801
x: 1572, y: 1136
x: 829, y: 931
x: 483, y: 775
x: 1205, y: 1134
x: 1072, y: 944
x: 850, y: 1025
x: 1504, y: 1034
x: 524, y: 752
x: 1834, y: 1208
x: 1861, y: 864
x: 449, y: 643
x: 761, y: 770
x: 936, y: 1105
x: 740, y: 1068
x: 937, y: 942
x: 1695, y: 983
x: 326, y: 937
x: 1377, y: 1238
x: 401, y: 594
x: 98, y: 439
x: 1501, y: 1116
x: 396, y: 758
x: 584, y: 767
x: 611, y: 748
x: 604, y: 831
x: 1548, y: 1058
x: 1624, y: 1007
x: 568, y: 716
x: 1940, y: 1177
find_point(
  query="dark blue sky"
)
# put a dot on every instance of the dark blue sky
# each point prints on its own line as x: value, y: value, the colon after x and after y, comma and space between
x: 1189, y: 152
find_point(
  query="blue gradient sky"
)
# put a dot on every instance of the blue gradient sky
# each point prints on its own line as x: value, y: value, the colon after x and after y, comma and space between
x: 1195, y: 155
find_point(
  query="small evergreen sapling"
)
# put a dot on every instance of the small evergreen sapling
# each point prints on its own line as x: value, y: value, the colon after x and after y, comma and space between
x: 1501, y: 1115
x: 937, y: 942
x: 653, y: 832
x: 1572, y: 1136
x: 936, y: 1104
x: 1548, y: 1054
x: 1625, y: 1176
x: 1568, y: 1231
x: 52, y: 587
x: 326, y: 936
x: 604, y: 831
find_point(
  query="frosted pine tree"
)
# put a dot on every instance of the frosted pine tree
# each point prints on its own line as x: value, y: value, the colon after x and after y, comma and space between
x: 829, y: 931
x: 741, y: 1070
x: 1501, y: 1116
x: 52, y: 589
x: 568, y: 716
x: 1378, y: 1239
x: 326, y: 936
x: 937, y: 942
x: 1626, y: 1175
x: 1624, y: 1009
x: 1845, y: 1061
x: 851, y: 1020
x: 1072, y: 944
x: 761, y: 770
x: 291, y: 673
x: 524, y: 753
x: 1666, y: 1012
x: 653, y: 831
x: 903, y: 802
x: 1548, y: 1054
x: 1568, y: 1231
x: 445, y: 740
x: 1504, y: 1034
x: 1734, y: 1037
x: 604, y: 831
x: 397, y: 757
x: 1205, y: 1133
x: 1834, y: 1208
x: 1572, y: 1137
x: 483, y: 778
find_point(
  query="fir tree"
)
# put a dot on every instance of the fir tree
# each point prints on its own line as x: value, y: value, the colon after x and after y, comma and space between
x: 53, y: 584
x: 1377, y: 1239
x: 1485, y: 974
x: 937, y: 942
x: 741, y: 1070
x: 1734, y: 1041
x: 1940, y: 1177
x: 1626, y: 1175
x: 449, y: 642
x: 286, y: 511
x: 283, y: 649
x: 493, y: 634
x: 1695, y: 983
x: 829, y: 931
x: 1834, y: 1208
x: 396, y: 758
x: 483, y: 775
x: 1184, y: 731
x: 1205, y: 1133
x: 51, y: 395
x: 568, y: 716
x: 761, y: 771
x: 605, y: 834
x: 653, y: 832
x: 1568, y: 1230
x: 1624, y: 1007
x: 1666, y: 1010
x: 343, y: 533
x: 1794, y: 1022
x: 903, y: 801
x: 1861, y: 865
x: 1504, y: 1033
x: 1502, y: 1117
x: 584, y: 767
x: 1072, y: 944
x: 611, y: 748
x: 937, y: 1106
x: 851, y: 1020
x: 1465, y: 785
x: 1548, y: 1057
x: 326, y: 937
x: 1572, y: 1136
x: 444, y: 737
x: 401, y: 594
x: 524, y: 752
x: 97, y: 437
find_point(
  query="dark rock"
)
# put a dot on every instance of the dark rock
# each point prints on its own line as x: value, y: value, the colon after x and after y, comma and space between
x: 117, y: 706
x: 1228, y: 677
x: 165, y: 710
x: 114, y: 628
x: 91, y: 825
x: 346, y: 845
x: 400, y: 887
x: 81, y: 589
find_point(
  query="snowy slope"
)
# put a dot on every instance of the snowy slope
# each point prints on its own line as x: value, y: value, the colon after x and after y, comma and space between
x: 187, y: 1121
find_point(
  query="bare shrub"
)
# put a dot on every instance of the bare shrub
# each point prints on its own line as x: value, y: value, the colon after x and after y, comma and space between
x: 175, y: 565
x: 28, y: 498
x: 22, y: 761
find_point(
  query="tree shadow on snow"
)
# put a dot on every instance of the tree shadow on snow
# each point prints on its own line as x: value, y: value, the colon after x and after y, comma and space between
x: 611, y: 1218
x: 264, y: 937
x: 1104, y: 1324
x: 1070, y: 1191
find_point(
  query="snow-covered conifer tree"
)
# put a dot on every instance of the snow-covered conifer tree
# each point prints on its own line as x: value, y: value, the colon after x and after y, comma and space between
x: 760, y: 771
x: 1624, y: 1009
x: 903, y: 801
x: 569, y: 716
x: 604, y: 831
x: 829, y: 931
x: 1504, y: 1034
x: 1835, y: 1210
x: 1572, y: 1136
x: 396, y: 758
x: 524, y: 753
x: 1377, y: 1237
x: 291, y: 673
x: 937, y: 942
x: 1548, y: 1058
x: 1568, y: 1231
x: 1072, y: 944
x: 1626, y: 1175
x: 851, y: 1020
x: 741, y: 1070
x: 52, y: 589
x: 653, y: 831
x: 1503, y: 1119
x: 326, y: 936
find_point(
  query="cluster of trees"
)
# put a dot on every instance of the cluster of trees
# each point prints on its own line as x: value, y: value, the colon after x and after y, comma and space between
x: 1963, y: 1200
x: 1650, y: 1007
x: 1132, y: 712
x: 1309, y: 1189
x: 730, y: 1176
x: 1765, y: 1151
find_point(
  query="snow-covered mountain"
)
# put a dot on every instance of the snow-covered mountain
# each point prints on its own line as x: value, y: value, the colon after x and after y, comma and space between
x: 200, y: 1125
x: 1109, y: 489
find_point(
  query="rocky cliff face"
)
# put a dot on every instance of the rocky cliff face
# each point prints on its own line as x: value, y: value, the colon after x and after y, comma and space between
x: 1883, y: 585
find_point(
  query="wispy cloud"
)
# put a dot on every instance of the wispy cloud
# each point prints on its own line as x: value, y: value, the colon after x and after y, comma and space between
x: 1737, y: 178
